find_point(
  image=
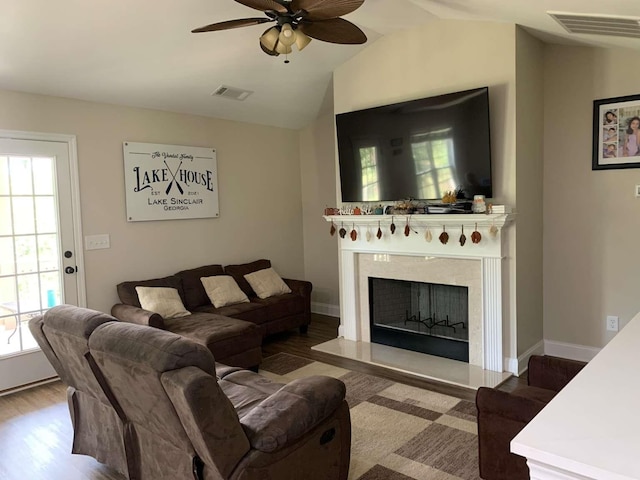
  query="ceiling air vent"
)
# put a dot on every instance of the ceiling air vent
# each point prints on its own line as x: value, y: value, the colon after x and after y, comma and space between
x: 598, y: 24
x: 231, y: 92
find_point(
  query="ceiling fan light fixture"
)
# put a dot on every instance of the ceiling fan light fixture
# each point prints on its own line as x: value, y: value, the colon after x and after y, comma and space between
x: 302, y: 40
x: 283, y: 49
x: 270, y: 38
x: 287, y: 35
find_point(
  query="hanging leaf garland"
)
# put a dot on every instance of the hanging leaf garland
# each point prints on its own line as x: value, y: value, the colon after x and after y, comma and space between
x: 476, y: 236
x: 444, y: 236
x: 428, y: 236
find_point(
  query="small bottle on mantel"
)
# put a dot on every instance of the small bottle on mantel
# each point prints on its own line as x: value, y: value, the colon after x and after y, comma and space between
x: 478, y: 204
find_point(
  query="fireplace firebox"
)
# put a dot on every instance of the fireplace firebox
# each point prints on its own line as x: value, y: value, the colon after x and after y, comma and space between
x: 423, y: 317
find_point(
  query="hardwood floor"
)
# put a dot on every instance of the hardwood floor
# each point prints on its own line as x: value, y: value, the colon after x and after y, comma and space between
x: 36, y: 433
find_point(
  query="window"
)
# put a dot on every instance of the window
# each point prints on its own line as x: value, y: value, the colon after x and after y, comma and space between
x: 369, y: 166
x: 30, y: 277
x: 433, y: 158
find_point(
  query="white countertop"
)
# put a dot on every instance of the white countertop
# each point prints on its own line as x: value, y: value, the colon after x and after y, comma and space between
x: 592, y: 427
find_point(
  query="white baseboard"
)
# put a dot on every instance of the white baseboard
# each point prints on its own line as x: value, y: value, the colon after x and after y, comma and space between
x: 519, y: 365
x: 325, y: 309
x: 571, y: 351
x: 510, y: 365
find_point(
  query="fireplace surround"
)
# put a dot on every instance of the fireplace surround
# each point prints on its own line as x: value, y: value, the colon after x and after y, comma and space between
x: 413, y: 258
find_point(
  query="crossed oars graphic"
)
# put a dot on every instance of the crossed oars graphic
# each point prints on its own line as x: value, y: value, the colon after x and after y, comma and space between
x: 173, y: 179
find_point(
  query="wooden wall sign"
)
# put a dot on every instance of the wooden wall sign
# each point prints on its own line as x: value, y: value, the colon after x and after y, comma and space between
x: 170, y: 182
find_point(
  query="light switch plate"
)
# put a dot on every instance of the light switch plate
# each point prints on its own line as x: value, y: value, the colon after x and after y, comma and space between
x: 96, y: 242
x: 637, y: 190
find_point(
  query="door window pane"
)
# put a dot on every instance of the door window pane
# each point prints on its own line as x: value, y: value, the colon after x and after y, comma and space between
x: 43, y: 176
x: 50, y: 287
x: 28, y: 293
x: 26, y: 254
x: 45, y: 214
x: 7, y: 260
x: 5, y: 216
x: 23, y: 215
x: 20, y: 175
x: 4, y: 175
x: 8, y: 297
x: 28, y: 342
x: 48, y: 252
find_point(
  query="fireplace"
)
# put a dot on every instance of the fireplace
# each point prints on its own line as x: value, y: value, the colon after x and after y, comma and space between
x: 414, y: 257
x: 424, y: 317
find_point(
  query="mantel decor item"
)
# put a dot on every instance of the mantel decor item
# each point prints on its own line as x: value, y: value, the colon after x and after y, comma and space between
x: 616, y: 133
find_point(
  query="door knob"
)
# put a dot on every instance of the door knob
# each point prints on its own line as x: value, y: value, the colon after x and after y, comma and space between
x: 70, y: 270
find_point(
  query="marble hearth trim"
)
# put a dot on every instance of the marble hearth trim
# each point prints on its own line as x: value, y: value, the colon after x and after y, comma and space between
x: 445, y: 271
x: 491, y: 274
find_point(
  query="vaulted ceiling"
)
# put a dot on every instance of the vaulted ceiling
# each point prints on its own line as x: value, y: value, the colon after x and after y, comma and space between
x: 143, y: 54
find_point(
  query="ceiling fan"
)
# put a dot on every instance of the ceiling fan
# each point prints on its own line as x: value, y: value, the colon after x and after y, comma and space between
x: 297, y: 22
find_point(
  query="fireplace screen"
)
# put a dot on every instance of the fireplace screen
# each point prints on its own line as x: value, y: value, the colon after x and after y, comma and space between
x: 425, y: 317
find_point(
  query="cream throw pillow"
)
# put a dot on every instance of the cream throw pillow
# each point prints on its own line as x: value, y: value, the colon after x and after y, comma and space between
x: 223, y: 290
x: 267, y: 283
x: 163, y: 300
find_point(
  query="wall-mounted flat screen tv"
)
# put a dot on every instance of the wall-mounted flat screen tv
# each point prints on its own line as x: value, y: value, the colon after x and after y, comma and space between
x: 418, y: 149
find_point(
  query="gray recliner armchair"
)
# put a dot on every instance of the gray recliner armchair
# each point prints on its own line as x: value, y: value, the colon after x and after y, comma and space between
x: 171, y: 412
x: 63, y: 335
x: 241, y: 426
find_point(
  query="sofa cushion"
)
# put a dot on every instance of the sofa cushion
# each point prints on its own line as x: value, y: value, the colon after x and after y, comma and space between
x: 194, y: 292
x: 247, y: 389
x: 267, y: 283
x: 261, y: 311
x: 251, y: 312
x: 127, y: 290
x: 162, y: 300
x: 223, y: 290
x: 534, y: 393
x: 239, y: 271
x: 223, y: 336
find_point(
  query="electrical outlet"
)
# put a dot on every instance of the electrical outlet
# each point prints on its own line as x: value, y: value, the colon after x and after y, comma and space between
x: 96, y: 242
x: 612, y: 323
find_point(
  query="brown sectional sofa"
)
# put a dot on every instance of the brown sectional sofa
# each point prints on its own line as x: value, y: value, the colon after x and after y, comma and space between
x: 232, y: 333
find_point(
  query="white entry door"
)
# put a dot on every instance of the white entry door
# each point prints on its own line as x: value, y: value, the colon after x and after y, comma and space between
x: 39, y: 259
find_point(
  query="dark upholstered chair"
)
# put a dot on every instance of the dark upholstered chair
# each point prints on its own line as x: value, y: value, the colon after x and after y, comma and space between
x: 501, y: 415
x: 188, y: 423
x: 63, y: 333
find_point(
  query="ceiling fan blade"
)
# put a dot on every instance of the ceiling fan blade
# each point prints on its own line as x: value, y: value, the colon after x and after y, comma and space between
x: 229, y: 24
x: 264, y: 5
x: 324, y: 9
x: 334, y: 30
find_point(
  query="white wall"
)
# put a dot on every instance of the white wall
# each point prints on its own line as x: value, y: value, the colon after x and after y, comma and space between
x: 259, y: 190
x: 317, y: 164
x: 591, y: 226
x: 443, y: 57
x: 529, y: 163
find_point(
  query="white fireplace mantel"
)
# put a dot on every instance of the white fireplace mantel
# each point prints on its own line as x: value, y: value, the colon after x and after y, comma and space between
x: 490, y: 251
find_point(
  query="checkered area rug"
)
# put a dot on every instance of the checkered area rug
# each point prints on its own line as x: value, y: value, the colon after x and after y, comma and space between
x: 398, y: 432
